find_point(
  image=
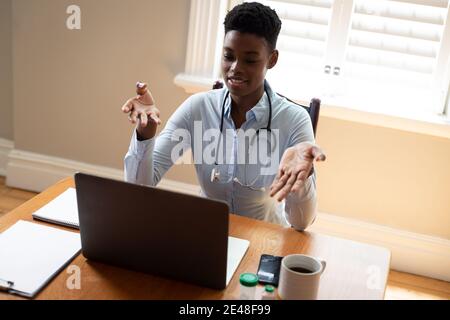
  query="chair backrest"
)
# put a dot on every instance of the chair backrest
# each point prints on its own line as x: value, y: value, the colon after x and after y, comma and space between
x: 313, y: 108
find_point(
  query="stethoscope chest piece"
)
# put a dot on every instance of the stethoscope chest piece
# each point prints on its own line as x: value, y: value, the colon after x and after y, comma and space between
x: 215, y: 175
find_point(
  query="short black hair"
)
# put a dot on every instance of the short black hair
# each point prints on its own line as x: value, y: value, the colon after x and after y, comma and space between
x: 254, y: 18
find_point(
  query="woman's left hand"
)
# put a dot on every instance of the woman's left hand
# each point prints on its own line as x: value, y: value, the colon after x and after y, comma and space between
x: 295, y: 166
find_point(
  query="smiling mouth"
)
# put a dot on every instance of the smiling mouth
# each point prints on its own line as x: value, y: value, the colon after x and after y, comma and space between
x: 236, y: 82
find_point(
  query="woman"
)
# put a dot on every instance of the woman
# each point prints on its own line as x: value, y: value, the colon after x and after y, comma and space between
x: 247, y: 104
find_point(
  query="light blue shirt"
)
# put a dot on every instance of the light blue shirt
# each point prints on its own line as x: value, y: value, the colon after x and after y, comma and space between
x: 242, y: 187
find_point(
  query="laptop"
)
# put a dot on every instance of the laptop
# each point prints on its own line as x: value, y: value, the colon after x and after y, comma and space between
x: 157, y: 231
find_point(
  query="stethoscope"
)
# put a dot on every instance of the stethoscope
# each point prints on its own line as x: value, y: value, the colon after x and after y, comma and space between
x: 215, y: 174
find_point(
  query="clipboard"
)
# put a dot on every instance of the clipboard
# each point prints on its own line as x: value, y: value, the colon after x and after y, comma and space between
x: 32, y: 255
x: 5, y: 285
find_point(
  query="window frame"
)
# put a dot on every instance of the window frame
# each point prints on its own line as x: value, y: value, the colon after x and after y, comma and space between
x: 202, y: 67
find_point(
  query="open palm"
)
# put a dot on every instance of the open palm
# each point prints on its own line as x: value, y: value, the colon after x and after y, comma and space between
x: 295, y: 166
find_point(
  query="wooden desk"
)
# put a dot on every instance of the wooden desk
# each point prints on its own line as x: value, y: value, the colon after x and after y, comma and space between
x: 354, y: 270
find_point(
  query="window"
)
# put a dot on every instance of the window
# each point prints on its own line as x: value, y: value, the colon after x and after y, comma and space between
x: 303, y: 46
x: 389, y: 56
x: 395, y: 50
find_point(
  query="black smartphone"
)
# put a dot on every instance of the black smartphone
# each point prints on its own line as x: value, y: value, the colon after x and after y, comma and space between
x: 269, y: 269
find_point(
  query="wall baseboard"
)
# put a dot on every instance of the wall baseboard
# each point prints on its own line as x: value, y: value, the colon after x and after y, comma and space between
x: 411, y: 252
x: 6, y: 146
x: 36, y: 172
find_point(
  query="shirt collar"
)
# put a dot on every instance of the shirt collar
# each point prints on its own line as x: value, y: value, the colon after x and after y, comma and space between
x: 260, y: 111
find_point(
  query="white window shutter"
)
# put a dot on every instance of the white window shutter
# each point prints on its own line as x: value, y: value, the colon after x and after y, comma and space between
x: 303, y: 36
x: 394, y: 42
x: 389, y: 54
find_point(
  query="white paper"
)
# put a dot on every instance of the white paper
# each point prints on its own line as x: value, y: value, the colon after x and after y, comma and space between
x: 31, y: 254
x: 62, y: 209
x: 236, y: 251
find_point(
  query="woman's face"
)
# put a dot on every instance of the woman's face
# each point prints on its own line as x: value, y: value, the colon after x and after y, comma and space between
x: 245, y: 61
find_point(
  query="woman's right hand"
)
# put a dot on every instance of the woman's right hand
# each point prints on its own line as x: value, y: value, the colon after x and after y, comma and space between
x: 142, y: 111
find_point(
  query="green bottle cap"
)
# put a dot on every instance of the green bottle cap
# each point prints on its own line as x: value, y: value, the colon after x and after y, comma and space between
x: 269, y: 288
x: 248, y: 279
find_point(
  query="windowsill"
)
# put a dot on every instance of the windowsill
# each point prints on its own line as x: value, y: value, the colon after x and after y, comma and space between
x: 434, y: 125
x: 437, y: 126
x: 193, y: 84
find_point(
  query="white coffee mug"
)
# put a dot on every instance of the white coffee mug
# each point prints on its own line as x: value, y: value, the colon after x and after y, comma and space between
x: 300, y: 277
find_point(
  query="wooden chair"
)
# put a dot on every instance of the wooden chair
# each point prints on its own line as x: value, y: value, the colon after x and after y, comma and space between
x: 313, y: 108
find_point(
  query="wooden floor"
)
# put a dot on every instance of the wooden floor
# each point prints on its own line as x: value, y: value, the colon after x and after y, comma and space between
x: 401, y: 285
